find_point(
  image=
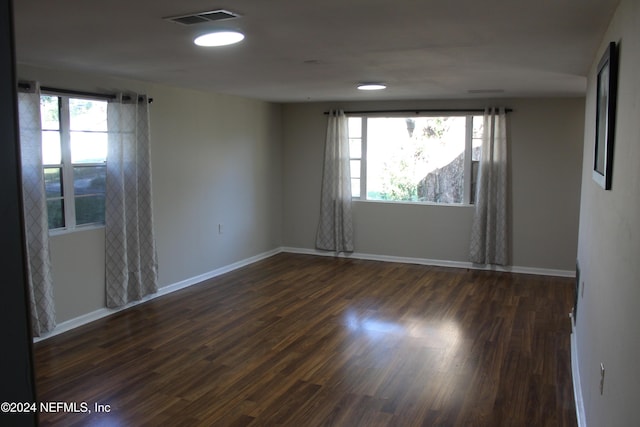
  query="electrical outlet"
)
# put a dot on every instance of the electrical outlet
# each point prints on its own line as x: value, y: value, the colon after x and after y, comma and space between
x: 219, y: 228
x: 601, y: 378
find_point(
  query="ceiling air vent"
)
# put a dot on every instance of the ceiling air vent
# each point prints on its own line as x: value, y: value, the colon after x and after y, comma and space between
x: 201, y: 17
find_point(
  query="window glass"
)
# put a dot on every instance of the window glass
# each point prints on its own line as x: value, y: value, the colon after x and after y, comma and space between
x: 51, y: 148
x: 355, y: 168
x: 50, y: 112
x: 476, y: 141
x: 55, y: 213
x: 88, y: 147
x: 89, y: 180
x: 355, y: 127
x: 74, y: 139
x: 87, y: 115
x: 418, y: 160
x: 355, y: 187
x: 89, y: 210
x: 89, y: 183
x: 355, y: 148
x: 415, y: 159
x: 355, y: 177
x: 53, y: 182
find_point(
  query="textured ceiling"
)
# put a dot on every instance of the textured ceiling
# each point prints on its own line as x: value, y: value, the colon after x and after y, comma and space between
x: 302, y: 50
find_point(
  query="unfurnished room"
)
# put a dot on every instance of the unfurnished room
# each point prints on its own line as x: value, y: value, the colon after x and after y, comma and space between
x: 346, y: 213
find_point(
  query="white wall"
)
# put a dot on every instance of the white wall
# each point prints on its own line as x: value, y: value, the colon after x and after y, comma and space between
x: 608, y: 329
x: 215, y: 159
x: 78, y: 273
x: 545, y: 154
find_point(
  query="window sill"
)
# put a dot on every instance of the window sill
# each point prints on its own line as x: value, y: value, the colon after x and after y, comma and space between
x: 399, y: 202
x: 64, y: 231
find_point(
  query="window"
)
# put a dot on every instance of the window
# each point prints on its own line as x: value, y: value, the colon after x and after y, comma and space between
x: 415, y: 159
x: 74, y: 155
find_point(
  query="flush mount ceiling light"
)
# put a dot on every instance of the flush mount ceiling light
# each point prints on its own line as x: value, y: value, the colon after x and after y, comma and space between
x: 219, y: 38
x: 371, y: 86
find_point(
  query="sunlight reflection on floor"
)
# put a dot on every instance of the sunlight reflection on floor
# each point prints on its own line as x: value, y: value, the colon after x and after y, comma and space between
x: 441, y: 334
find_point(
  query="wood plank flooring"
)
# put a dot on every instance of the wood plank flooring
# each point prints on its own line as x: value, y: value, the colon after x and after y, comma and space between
x: 298, y: 340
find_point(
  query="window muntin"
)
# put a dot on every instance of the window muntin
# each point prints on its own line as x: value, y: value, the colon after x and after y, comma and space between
x: 415, y: 159
x: 355, y: 154
x: 476, y: 154
x: 74, y: 153
x: 55, y: 201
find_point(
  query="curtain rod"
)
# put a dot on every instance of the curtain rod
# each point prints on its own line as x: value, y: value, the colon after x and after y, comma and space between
x: 107, y: 96
x: 418, y: 111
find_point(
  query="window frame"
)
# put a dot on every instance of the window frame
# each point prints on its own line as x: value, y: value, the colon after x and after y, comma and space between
x: 468, y: 197
x: 67, y: 167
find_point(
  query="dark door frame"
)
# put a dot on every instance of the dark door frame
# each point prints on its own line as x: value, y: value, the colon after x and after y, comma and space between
x: 17, y: 384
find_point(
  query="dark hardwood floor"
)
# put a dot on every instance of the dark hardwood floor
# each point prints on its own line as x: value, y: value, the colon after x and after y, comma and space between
x: 298, y: 340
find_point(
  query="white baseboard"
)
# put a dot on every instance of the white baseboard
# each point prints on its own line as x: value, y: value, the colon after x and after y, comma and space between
x: 575, y: 374
x: 104, y: 312
x: 435, y: 262
x: 217, y: 272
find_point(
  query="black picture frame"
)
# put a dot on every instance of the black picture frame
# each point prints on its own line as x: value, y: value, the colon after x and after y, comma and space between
x: 606, y: 99
x: 576, y: 296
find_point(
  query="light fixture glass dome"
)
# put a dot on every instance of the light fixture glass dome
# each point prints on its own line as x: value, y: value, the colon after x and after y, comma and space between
x: 219, y: 38
x: 371, y: 86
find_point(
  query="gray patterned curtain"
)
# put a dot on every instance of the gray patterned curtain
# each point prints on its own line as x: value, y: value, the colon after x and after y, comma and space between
x: 335, y: 230
x: 43, y: 316
x: 489, y: 233
x: 131, y: 266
